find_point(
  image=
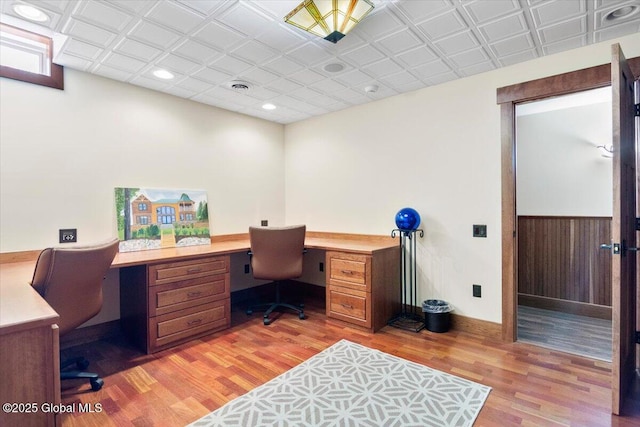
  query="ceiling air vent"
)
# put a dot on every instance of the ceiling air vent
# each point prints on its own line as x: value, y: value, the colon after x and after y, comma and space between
x: 239, y: 86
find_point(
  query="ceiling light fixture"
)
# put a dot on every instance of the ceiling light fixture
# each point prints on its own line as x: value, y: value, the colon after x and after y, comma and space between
x: 330, y: 19
x: 163, y: 74
x: 30, y: 12
x: 269, y: 107
x: 622, y: 13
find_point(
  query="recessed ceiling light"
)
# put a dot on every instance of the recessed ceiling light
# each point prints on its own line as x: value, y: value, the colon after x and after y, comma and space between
x: 622, y: 12
x: 269, y: 107
x: 29, y: 12
x: 163, y: 74
x: 334, y: 67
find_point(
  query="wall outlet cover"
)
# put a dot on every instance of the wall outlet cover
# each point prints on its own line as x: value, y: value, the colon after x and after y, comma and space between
x: 68, y: 235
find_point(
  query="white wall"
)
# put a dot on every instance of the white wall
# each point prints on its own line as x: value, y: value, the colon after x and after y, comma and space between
x: 436, y: 150
x: 62, y: 153
x: 560, y: 172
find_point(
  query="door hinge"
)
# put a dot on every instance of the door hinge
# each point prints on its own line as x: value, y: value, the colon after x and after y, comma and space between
x: 637, y: 337
x: 637, y: 110
x: 637, y: 224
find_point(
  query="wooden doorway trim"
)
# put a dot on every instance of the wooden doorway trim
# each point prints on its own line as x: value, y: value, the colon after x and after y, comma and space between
x: 508, y: 97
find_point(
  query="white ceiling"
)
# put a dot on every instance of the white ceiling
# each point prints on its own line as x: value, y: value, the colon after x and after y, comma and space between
x: 403, y: 45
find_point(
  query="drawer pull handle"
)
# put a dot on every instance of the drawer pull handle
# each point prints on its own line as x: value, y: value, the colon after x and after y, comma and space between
x: 194, y: 294
x: 194, y: 322
x: 346, y: 271
x: 349, y: 306
x: 194, y: 270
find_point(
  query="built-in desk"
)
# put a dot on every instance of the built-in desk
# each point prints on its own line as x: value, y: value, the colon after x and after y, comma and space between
x: 362, y: 287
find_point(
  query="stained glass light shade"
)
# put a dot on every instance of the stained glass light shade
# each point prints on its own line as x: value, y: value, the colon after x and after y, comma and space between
x: 330, y: 19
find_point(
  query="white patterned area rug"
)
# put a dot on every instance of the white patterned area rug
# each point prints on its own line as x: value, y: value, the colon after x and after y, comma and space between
x: 351, y: 385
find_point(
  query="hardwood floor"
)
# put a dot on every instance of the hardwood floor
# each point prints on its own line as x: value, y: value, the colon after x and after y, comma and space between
x: 531, y: 386
x: 571, y: 333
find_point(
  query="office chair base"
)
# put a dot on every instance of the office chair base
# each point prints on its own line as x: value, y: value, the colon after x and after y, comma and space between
x: 273, y: 306
x: 81, y: 364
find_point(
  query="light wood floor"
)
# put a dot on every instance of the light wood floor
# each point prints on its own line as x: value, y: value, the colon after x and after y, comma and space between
x: 585, y: 336
x: 531, y: 386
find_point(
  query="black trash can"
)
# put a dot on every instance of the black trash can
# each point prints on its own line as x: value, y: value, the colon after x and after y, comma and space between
x: 437, y: 315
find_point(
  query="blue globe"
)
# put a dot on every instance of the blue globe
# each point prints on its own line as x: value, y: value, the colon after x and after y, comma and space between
x: 407, y: 219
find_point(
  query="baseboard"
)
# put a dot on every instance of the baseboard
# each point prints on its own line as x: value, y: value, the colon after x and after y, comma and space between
x: 477, y: 327
x: 565, y: 306
x: 90, y: 334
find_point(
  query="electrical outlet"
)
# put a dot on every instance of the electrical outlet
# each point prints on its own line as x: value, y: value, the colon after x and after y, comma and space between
x: 68, y: 235
x: 322, y: 266
x: 246, y: 269
x: 477, y: 291
x: 264, y: 223
x: 479, y: 230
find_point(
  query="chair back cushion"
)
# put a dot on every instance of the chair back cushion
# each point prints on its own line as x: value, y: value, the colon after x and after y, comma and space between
x: 277, y: 252
x: 70, y: 280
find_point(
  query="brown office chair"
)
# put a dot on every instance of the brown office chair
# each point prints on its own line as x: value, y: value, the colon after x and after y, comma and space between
x: 276, y: 254
x: 70, y: 280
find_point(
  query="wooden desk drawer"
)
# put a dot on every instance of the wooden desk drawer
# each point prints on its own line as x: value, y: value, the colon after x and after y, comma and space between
x: 186, y: 324
x: 349, y: 305
x: 182, y: 270
x: 349, y: 270
x: 188, y: 293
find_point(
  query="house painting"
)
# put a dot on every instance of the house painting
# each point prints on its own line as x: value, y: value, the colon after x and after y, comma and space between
x: 153, y: 218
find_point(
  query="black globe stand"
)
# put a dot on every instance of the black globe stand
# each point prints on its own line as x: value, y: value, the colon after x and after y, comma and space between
x: 409, y: 319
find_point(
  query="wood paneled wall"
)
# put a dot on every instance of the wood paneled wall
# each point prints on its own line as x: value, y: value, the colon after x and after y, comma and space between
x: 559, y: 257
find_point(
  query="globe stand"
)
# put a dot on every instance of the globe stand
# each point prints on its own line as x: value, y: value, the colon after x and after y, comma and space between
x: 409, y: 318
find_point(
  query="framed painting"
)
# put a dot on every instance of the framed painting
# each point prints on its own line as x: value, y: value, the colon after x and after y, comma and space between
x: 150, y: 218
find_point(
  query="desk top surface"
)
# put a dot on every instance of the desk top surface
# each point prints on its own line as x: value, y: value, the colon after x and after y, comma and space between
x: 21, y: 307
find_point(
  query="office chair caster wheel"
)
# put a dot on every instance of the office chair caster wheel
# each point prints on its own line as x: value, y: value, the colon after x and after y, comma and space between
x: 301, y: 316
x: 96, y: 383
x: 266, y: 321
x: 82, y: 364
x: 249, y: 312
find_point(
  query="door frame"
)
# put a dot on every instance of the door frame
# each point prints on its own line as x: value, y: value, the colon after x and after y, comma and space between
x: 507, y: 97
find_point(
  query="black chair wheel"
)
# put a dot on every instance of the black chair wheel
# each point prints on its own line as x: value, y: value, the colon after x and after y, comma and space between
x: 82, y: 364
x: 249, y: 312
x: 301, y: 305
x: 301, y: 316
x: 266, y: 321
x: 96, y: 383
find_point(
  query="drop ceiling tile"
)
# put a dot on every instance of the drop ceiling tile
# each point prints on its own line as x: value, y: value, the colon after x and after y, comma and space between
x: 111, y: 73
x: 258, y: 76
x: 415, y: 57
x: 518, y: 57
x: 74, y: 62
x: 382, y: 68
x: 289, y: 102
x: 441, y: 78
x: 409, y: 87
x: 83, y: 50
x: 240, y: 99
x: 194, y: 85
x: 59, y: 6
x: 212, y: 76
x: 149, y: 83
x: 477, y: 68
x: 138, y: 50
x: 564, y: 30
x: 180, y: 92
x: 482, y: 10
x: 325, y: 101
x: 566, y: 44
x: 305, y: 94
x: 379, y: 23
x: 103, y: 15
x: 348, y: 43
x: 401, y: 41
x: 262, y: 93
x: 470, y: 58
x: 504, y: 27
x: 513, y: 45
x: 244, y: 18
x: 136, y: 6
x: 617, y: 31
x: 229, y: 64
x: 354, y: 78
x: 281, y: 38
x: 176, y: 63
x: 123, y: 62
x: 283, y: 85
x: 329, y: 86
x: 175, y: 16
x: 306, y: 77
x: 89, y: 33
x: 283, y: 66
x: 556, y: 11
x: 351, y: 96
x: 309, y: 54
x: 431, y: 69
x: 154, y: 35
x: 205, y: 7
x: 254, y: 51
x: 457, y: 43
x: 417, y: 10
x: 362, y: 56
x: 443, y: 25
x: 400, y: 79
x: 218, y: 36
x: 196, y: 51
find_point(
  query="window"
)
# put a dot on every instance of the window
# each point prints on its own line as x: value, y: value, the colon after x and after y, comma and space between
x: 27, y: 57
x: 142, y: 206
